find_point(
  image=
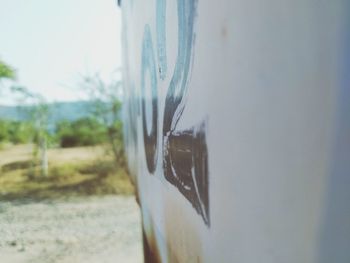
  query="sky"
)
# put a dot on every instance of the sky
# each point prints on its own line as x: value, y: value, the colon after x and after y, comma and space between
x: 52, y: 43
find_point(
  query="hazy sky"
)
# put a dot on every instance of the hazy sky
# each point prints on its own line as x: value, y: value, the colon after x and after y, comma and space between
x: 50, y: 43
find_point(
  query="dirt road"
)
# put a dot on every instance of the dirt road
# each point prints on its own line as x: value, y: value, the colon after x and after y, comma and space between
x: 89, y: 230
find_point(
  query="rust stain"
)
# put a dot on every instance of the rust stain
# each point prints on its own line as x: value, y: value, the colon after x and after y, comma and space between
x: 183, y: 242
x: 150, y: 248
x: 180, y: 237
x: 224, y: 31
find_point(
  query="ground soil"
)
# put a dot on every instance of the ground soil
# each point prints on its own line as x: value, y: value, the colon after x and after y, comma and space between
x: 90, y: 229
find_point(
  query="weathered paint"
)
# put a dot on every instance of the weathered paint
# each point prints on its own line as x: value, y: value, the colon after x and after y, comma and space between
x: 241, y: 151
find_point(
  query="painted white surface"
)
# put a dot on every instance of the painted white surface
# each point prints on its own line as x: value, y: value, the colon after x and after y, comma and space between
x: 268, y: 77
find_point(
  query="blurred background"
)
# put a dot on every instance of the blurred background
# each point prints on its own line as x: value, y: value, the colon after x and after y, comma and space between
x: 65, y: 194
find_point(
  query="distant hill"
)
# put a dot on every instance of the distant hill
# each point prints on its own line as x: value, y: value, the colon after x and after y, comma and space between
x: 58, y: 111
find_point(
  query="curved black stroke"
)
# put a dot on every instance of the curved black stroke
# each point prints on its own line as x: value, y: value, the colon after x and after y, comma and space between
x: 149, y: 65
x: 185, y: 159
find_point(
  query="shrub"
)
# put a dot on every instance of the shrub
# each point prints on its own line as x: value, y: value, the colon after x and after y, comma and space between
x: 82, y: 132
x: 16, y: 132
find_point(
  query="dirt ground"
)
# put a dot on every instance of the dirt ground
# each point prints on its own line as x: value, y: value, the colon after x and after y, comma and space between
x: 17, y: 153
x: 89, y: 230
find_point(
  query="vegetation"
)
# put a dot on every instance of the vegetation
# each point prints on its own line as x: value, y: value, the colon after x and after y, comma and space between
x: 31, y: 152
x: 6, y: 72
x: 106, y: 109
x: 92, y: 174
x: 38, y: 117
x: 82, y: 177
x: 82, y: 132
x: 86, y: 131
x: 15, y: 132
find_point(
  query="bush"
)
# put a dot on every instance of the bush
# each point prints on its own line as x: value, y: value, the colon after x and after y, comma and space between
x: 82, y: 132
x: 15, y: 132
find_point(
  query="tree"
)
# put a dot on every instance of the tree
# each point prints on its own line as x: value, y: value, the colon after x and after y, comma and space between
x: 106, y: 108
x: 6, y: 72
x: 37, y: 114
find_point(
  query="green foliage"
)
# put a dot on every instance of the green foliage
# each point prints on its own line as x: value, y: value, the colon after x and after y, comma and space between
x: 16, y: 132
x: 20, y: 132
x: 6, y: 71
x: 106, y: 108
x: 82, y: 132
x: 3, y: 131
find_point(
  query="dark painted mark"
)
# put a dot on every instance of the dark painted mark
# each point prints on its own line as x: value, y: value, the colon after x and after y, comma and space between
x: 185, y: 154
x: 186, y: 166
x: 149, y: 65
x: 161, y: 38
x: 175, y: 99
x: 185, y: 159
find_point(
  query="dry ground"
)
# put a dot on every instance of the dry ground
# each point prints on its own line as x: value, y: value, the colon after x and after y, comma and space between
x: 72, y: 172
x: 19, y: 153
x: 83, y: 212
x: 90, y: 230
